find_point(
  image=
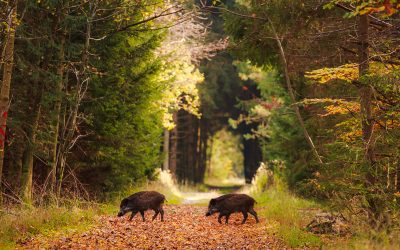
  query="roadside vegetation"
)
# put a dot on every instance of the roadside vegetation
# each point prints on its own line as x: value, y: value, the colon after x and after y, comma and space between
x: 19, y: 223
x: 286, y: 214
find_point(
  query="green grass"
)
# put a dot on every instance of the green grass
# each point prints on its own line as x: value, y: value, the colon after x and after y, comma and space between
x: 20, y: 223
x: 287, y: 216
x: 364, y: 238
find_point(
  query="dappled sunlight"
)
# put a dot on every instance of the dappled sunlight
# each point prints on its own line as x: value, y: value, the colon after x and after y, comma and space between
x: 166, y: 179
x: 225, y: 182
x: 187, y: 196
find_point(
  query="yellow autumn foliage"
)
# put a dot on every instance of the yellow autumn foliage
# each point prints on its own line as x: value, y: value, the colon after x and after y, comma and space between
x: 335, y: 106
x: 347, y: 72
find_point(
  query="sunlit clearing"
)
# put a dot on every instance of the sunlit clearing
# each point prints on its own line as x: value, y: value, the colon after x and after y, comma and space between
x: 186, y: 197
x: 225, y: 167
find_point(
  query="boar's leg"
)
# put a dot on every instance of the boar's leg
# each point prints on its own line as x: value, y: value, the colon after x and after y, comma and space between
x: 162, y: 213
x: 133, y: 214
x: 244, y: 216
x: 220, y: 217
x: 142, y: 214
x: 156, y: 213
x: 252, y: 212
x: 227, y: 218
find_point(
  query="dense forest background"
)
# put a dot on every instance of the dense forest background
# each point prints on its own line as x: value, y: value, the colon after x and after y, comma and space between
x: 97, y: 95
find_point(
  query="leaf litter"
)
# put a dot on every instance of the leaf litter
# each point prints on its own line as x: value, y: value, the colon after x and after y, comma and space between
x: 185, y: 227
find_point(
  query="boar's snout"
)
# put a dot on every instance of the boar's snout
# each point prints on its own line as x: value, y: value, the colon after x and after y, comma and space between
x: 121, y: 212
x: 211, y: 211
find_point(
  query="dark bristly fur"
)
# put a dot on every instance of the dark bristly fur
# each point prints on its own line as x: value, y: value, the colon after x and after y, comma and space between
x: 227, y: 204
x: 141, y: 202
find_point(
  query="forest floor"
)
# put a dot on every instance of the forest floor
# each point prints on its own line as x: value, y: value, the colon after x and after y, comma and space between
x: 184, y: 227
x: 282, y: 219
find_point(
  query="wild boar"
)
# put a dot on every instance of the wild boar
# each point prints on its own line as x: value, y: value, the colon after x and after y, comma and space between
x: 227, y: 204
x: 142, y: 201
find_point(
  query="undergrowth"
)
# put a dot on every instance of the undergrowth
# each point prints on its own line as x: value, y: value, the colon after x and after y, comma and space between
x: 18, y: 223
x: 285, y: 213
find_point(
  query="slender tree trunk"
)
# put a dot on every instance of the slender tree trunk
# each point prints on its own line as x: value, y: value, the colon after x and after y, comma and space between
x: 181, y: 152
x: 68, y: 141
x: 293, y: 97
x: 166, y: 149
x: 198, y: 153
x: 70, y: 126
x: 189, y: 148
x: 173, y: 147
x: 365, y: 91
x: 57, y: 111
x: 209, y: 157
x: 27, y: 157
x: 203, y: 149
x: 6, y: 84
x: 376, y: 212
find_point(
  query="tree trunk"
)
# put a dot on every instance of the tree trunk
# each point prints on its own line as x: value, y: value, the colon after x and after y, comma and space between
x: 57, y: 111
x: 365, y: 91
x: 166, y: 150
x: 209, y: 157
x: 293, y: 97
x: 252, y: 158
x: 27, y: 157
x: 203, y: 149
x: 173, y: 138
x: 188, y: 148
x: 182, y: 147
x: 376, y: 213
x: 5, y: 87
x: 198, y: 153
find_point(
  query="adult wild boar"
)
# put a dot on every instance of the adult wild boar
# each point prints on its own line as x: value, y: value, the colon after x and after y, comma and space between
x: 227, y: 204
x: 142, y: 201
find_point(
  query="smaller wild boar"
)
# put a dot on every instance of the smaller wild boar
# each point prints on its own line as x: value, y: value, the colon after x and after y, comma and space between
x: 227, y: 204
x: 142, y: 201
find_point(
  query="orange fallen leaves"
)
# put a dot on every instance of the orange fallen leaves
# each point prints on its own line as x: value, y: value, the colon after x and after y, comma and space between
x: 185, y: 227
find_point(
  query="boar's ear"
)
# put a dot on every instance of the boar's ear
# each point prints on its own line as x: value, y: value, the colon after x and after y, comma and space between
x: 213, y: 201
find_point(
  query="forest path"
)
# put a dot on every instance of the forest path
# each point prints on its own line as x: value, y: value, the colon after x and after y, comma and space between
x: 198, y: 197
x: 185, y: 227
x: 213, y: 192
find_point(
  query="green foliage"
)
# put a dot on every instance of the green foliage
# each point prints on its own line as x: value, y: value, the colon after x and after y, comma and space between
x: 280, y: 138
x: 287, y: 215
x: 221, y: 87
x: 112, y: 95
x: 254, y: 34
x: 127, y: 120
